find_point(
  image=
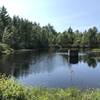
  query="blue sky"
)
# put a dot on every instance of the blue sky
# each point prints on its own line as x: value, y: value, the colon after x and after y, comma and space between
x: 79, y: 14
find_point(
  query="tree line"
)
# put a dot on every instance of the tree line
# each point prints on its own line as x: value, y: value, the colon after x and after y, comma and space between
x: 21, y: 33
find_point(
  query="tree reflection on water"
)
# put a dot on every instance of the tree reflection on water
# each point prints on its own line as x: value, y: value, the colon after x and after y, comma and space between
x: 28, y: 62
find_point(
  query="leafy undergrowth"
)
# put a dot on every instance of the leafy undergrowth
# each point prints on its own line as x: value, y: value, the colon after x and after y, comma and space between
x: 11, y: 90
x: 5, y: 49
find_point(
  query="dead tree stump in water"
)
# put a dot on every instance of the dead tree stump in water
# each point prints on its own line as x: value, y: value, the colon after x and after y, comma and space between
x: 73, y: 56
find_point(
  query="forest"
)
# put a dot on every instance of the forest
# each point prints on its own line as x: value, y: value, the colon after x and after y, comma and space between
x: 20, y: 33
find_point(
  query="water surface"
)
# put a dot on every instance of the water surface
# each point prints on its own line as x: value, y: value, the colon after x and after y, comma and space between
x: 53, y: 69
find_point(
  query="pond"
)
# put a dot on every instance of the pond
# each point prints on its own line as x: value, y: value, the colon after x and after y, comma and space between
x: 53, y: 69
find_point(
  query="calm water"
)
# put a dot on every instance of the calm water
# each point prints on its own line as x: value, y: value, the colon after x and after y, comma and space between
x: 53, y: 70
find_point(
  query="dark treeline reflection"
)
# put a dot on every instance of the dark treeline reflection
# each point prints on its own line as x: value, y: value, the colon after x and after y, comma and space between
x: 24, y: 63
x: 88, y: 59
x: 12, y: 65
x: 17, y: 63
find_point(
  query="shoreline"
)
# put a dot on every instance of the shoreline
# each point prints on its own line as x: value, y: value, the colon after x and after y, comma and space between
x: 11, y: 90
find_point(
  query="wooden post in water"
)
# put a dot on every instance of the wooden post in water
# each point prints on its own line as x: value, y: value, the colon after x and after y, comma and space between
x: 73, y: 56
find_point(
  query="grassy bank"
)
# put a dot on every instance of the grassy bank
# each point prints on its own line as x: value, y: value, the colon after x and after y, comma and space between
x: 10, y: 90
x: 96, y: 50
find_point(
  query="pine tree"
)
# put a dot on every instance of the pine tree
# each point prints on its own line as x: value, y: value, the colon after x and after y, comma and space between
x: 4, y: 21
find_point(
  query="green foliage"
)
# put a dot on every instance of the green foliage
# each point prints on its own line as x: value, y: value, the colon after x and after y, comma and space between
x: 90, y: 38
x: 5, y: 49
x: 5, y: 21
x: 20, y: 33
x: 11, y: 90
